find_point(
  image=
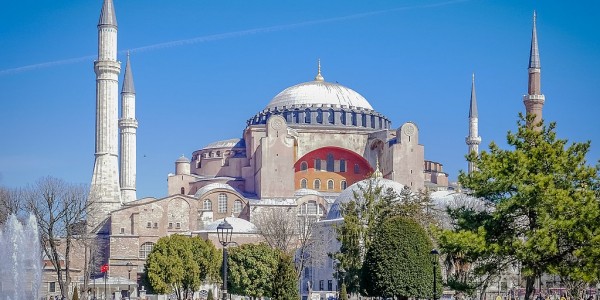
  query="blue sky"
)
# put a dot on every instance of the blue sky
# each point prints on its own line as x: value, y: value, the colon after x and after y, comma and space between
x: 412, y: 60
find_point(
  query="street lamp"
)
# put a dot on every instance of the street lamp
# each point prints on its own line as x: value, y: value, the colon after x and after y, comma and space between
x: 129, y: 268
x: 433, y: 255
x: 224, y: 231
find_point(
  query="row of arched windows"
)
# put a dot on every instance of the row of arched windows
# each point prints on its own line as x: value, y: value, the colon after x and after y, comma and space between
x: 222, y: 204
x: 317, y: 184
x: 329, y: 165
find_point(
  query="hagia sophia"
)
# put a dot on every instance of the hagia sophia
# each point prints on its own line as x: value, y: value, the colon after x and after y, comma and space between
x: 306, y: 151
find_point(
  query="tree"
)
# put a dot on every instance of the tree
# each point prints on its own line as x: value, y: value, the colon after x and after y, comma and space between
x: 59, y: 208
x: 546, y: 207
x: 279, y: 227
x: 399, y: 265
x: 285, y: 285
x: 251, y: 269
x: 343, y: 293
x: 178, y: 264
x: 75, y: 294
x: 210, y: 295
x: 10, y: 203
x: 371, y: 206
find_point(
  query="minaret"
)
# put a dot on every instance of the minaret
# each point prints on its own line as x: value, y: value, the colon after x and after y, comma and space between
x: 128, y: 126
x: 534, y: 100
x: 105, y: 194
x: 473, y: 139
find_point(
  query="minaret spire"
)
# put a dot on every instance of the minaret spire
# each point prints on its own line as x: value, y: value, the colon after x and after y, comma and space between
x: 534, y: 100
x: 319, y: 77
x: 473, y: 139
x: 105, y: 194
x: 128, y: 126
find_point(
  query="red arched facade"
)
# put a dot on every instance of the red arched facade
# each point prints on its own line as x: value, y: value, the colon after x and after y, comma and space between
x: 330, y: 169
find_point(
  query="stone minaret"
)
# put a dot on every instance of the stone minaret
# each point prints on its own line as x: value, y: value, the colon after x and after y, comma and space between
x: 105, y: 194
x: 534, y: 100
x: 128, y: 125
x: 473, y: 139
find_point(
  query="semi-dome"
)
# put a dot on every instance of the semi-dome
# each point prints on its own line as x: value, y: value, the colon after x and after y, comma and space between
x: 320, y: 93
x: 348, y: 194
x: 239, y: 225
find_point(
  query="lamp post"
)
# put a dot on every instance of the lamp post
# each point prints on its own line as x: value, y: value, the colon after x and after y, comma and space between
x: 129, y: 268
x: 433, y: 255
x: 224, y: 231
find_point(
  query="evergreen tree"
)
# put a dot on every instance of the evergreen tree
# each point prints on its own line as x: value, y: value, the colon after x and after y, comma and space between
x: 399, y: 265
x: 251, y: 269
x: 210, y: 295
x: 75, y: 294
x: 546, y: 207
x: 285, y: 286
x: 178, y: 264
x: 343, y: 293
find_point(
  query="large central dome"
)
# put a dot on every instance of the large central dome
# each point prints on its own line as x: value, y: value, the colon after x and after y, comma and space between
x: 320, y: 93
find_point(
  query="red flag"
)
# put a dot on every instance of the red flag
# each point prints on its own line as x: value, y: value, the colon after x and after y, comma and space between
x: 104, y: 268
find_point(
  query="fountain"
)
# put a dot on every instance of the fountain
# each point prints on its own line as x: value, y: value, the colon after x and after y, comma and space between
x: 20, y: 260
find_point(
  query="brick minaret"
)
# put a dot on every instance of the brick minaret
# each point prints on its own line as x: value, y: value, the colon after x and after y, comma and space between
x: 534, y: 100
x: 105, y: 193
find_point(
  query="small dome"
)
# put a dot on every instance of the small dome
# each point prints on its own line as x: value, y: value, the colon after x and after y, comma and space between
x: 304, y: 192
x: 231, y: 143
x: 348, y: 194
x: 239, y: 225
x: 318, y: 92
x: 183, y: 159
x: 213, y: 186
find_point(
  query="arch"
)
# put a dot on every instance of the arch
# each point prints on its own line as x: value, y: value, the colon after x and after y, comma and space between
x: 318, y: 164
x: 145, y: 249
x: 237, y: 206
x: 222, y: 203
x: 303, y: 183
x: 182, y: 190
x: 319, y: 116
x: 342, y: 165
x: 317, y: 184
x: 330, y: 117
x: 207, y: 205
x: 330, y: 184
x: 343, y: 185
x: 330, y: 162
x: 303, y: 166
x: 307, y: 116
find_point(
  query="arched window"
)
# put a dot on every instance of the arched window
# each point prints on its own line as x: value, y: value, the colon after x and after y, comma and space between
x: 183, y: 191
x: 356, y: 169
x: 363, y: 120
x: 330, y: 184
x: 317, y: 185
x: 330, y: 117
x: 343, y: 184
x: 318, y: 164
x: 303, y: 166
x: 330, y: 162
x: 343, y: 117
x: 145, y: 249
x: 307, y: 116
x: 218, y: 153
x: 353, y: 117
x: 320, y: 116
x: 222, y: 203
x: 303, y: 183
x: 342, y: 165
x: 207, y: 205
x: 237, y: 206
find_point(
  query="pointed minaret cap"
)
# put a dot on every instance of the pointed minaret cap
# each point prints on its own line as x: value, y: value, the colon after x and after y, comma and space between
x: 319, y: 77
x: 377, y: 174
x: 107, y: 15
x: 473, y: 107
x: 128, y: 80
x: 534, y: 54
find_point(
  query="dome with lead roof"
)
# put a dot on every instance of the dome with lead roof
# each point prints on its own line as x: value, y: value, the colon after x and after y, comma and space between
x: 320, y: 93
